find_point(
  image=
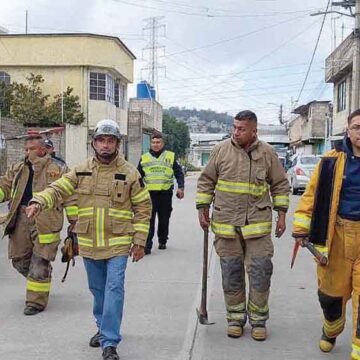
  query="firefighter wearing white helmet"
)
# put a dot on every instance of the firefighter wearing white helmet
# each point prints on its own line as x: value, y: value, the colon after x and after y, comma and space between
x: 114, y: 216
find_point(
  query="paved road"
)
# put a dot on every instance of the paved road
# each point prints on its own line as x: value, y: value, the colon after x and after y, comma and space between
x: 162, y: 292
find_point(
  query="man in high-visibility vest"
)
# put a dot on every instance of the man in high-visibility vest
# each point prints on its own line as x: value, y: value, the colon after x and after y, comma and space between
x: 158, y: 167
x: 241, y: 175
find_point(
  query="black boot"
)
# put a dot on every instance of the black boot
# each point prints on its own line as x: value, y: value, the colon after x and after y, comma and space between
x: 162, y: 246
x: 110, y: 353
x: 30, y: 310
x: 95, y: 340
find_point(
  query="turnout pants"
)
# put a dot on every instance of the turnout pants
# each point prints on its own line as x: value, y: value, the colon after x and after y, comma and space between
x: 340, y: 281
x: 254, y: 256
x: 162, y: 207
x: 25, y: 252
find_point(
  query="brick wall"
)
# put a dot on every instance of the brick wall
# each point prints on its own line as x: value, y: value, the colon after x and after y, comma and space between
x: 14, y: 150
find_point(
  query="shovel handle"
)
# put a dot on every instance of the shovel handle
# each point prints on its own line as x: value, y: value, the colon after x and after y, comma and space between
x: 323, y: 260
x: 203, y: 306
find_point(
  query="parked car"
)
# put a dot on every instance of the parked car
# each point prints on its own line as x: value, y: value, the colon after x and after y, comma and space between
x: 300, y: 171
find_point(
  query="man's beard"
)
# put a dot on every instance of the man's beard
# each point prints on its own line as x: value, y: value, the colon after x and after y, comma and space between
x: 107, y: 156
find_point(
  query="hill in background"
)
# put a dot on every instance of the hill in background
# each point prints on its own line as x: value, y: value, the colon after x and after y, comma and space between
x: 202, y: 121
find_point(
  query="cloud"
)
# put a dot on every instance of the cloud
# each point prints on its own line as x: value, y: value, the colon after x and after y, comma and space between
x: 268, y: 44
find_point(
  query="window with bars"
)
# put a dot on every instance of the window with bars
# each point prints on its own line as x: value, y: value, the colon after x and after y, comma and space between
x: 116, y: 95
x: 120, y: 96
x: 5, y: 77
x: 341, y: 98
x: 97, y: 86
x: 109, y: 89
x: 103, y: 87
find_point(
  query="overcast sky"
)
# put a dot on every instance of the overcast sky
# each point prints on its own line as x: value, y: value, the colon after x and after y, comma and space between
x: 225, y: 55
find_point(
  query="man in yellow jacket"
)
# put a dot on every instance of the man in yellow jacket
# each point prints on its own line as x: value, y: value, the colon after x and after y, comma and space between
x: 328, y: 215
x: 114, y: 214
x: 237, y: 180
x: 33, y: 244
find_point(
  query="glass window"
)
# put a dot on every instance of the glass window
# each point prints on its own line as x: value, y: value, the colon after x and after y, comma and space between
x: 97, y: 86
x: 309, y: 160
x: 109, y: 89
x: 116, y: 95
x: 5, y: 77
x: 341, y: 98
x: 123, y: 96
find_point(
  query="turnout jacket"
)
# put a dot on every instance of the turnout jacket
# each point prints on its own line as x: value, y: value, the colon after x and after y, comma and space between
x: 114, y: 206
x: 237, y: 183
x: 13, y: 186
x: 316, y: 213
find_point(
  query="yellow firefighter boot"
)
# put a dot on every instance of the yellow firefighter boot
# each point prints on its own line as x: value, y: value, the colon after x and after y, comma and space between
x: 326, y: 344
x: 258, y: 333
x: 234, y: 330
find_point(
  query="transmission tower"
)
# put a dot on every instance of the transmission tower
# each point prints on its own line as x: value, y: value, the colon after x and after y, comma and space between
x: 153, y: 30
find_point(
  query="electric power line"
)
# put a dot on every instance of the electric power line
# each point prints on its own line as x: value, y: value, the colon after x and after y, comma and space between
x: 314, y: 52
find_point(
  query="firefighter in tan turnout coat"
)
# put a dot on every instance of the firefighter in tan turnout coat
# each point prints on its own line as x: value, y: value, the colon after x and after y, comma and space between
x: 114, y: 216
x: 237, y: 180
x: 33, y: 244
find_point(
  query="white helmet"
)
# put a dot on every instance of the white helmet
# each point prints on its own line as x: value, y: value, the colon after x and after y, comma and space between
x: 107, y: 127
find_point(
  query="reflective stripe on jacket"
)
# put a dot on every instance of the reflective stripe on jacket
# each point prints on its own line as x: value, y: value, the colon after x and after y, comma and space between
x: 159, y: 173
x: 238, y: 184
x: 12, y: 188
x: 114, y: 207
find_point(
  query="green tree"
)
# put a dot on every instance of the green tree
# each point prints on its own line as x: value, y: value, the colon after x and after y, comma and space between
x: 176, y: 135
x: 28, y: 105
x: 65, y: 109
x: 5, y: 98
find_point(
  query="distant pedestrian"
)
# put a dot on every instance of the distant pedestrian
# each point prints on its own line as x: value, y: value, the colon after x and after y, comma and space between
x: 158, y: 167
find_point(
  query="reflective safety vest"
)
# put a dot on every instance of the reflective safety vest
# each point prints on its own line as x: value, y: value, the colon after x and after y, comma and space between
x: 159, y: 173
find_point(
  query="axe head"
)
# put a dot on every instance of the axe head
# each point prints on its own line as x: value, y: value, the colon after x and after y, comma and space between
x: 203, y: 318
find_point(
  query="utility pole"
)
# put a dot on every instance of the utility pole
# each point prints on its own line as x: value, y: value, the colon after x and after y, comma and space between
x: 26, y: 22
x: 281, y: 120
x: 153, y: 29
x: 355, y: 85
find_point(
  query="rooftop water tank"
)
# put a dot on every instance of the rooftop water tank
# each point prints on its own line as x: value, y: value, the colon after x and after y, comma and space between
x: 143, y: 90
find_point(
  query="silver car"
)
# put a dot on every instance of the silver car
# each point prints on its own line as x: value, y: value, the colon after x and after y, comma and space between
x: 300, y: 171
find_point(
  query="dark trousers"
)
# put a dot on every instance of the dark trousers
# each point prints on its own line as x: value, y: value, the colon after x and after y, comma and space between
x: 162, y: 206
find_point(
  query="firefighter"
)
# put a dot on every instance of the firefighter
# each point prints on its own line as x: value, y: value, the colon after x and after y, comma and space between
x: 113, y: 222
x: 329, y: 215
x: 50, y: 149
x: 33, y: 244
x: 237, y: 179
x: 158, y: 168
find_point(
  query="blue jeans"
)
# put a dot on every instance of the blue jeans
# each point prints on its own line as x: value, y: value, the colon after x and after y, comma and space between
x: 106, y: 283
